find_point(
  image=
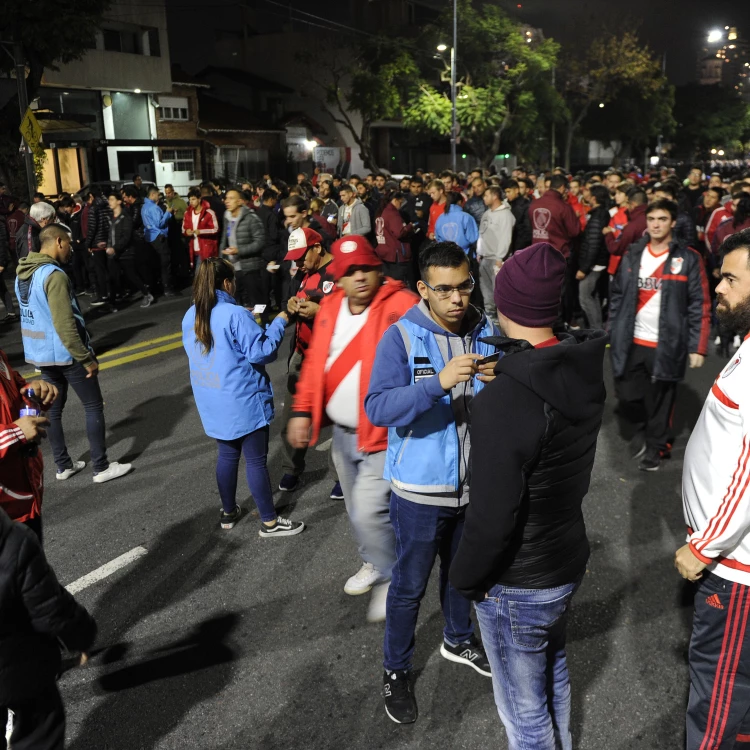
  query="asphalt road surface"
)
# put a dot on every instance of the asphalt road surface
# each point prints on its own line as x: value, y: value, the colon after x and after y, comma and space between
x: 214, y: 639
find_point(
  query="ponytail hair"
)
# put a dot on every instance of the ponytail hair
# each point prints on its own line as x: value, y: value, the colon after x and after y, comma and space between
x: 212, y: 274
x: 451, y: 199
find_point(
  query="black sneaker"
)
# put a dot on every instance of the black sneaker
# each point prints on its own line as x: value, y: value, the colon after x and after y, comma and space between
x: 337, y: 493
x: 289, y: 483
x: 282, y: 527
x: 469, y: 653
x: 10, y: 317
x: 400, y: 704
x: 651, y: 461
x: 228, y: 520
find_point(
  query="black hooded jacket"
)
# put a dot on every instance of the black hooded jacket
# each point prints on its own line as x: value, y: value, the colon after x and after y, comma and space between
x: 35, y: 611
x: 533, y: 441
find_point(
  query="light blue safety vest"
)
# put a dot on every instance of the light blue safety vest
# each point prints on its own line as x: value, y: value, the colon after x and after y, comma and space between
x: 424, y: 456
x: 41, y: 344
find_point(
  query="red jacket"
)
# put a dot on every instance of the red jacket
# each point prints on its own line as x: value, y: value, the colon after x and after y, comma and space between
x: 727, y: 229
x: 619, y: 220
x: 21, y: 476
x: 391, y: 302
x: 554, y: 221
x: 633, y: 231
x: 208, y: 239
x: 713, y: 223
x: 392, y: 236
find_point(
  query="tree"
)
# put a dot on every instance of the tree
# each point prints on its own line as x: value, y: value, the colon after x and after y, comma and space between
x: 48, y: 40
x: 501, y: 80
x: 598, y: 71
x: 709, y: 117
x: 366, y: 81
x: 633, y: 120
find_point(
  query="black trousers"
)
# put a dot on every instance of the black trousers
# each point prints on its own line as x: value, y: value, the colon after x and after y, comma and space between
x: 250, y: 289
x: 718, y: 712
x: 164, y: 253
x: 126, y: 264
x: 38, y: 724
x: 98, y: 268
x: 80, y: 269
x: 645, y: 400
x: 5, y: 296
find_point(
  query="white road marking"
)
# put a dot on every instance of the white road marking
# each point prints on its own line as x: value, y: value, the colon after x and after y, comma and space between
x: 106, y: 570
x: 324, y: 446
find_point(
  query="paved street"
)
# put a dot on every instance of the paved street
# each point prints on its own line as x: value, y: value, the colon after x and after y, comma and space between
x: 224, y: 640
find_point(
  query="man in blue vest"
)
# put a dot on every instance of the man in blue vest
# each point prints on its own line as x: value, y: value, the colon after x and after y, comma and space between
x: 427, y: 369
x: 55, y: 341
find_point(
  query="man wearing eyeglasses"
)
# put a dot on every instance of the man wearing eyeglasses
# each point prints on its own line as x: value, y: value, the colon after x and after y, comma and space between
x: 427, y: 369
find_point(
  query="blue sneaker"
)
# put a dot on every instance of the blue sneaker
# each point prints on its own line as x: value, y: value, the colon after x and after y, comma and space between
x: 336, y: 492
x: 289, y: 483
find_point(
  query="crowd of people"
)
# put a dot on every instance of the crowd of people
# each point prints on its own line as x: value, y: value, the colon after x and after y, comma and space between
x: 452, y: 329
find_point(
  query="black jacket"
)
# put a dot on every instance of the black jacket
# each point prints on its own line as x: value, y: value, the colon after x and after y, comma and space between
x: 684, y: 230
x: 593, y: 250
x: 120, y: 234
x: 273, y: 250
x: 35, y: 611
x: 98, y: 223
x: 533, y: 441
x: 522, y: 227
x: 685, y: 318
x: 27, y: 238
x: 4, y: 244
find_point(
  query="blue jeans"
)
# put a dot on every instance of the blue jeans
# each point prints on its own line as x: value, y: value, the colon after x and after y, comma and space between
x: 523, y: 634
x: 255, y: 448
x: 90, y: 395
x: 422, y: 533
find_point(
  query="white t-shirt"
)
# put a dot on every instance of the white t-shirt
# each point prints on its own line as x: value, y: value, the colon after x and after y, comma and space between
x: 196, y: 218
x: 646, y: 332
x: 347, y: 228
x: 343, y: 406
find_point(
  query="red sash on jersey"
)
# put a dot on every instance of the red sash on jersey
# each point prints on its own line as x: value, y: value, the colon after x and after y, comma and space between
x: 344, y: 364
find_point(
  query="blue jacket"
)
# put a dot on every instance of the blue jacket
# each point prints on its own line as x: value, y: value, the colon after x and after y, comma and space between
x: 424, y: 451
x: 155, y: 221
x: 231, y: 386
x: 457, y: 226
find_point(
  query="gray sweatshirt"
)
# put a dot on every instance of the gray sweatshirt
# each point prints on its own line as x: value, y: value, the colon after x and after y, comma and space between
x: 496, y: 232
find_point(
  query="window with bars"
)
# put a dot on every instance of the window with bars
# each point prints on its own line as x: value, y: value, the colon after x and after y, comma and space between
x: 174, y: 113
x: 183, y: 159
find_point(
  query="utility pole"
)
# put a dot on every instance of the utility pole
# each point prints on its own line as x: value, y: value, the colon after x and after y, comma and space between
x: 554, y: 130
x: 454, y: 54
x: 23, y: 104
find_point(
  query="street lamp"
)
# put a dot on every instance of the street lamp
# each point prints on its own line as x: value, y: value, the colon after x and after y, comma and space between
x: 454, y: 120
x: 715, y: 35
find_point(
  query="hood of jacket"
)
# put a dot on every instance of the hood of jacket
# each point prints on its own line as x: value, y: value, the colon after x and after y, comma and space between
x: 637, y: 212
x: 568, y: 376
x: 31, y: 222
x: 29, y: 264
x: 420, y: 315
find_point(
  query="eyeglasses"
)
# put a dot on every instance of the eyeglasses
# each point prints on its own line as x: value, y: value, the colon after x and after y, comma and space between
x: 444, y: 292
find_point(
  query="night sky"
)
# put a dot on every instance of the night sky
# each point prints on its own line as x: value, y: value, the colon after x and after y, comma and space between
x: 677, y: 27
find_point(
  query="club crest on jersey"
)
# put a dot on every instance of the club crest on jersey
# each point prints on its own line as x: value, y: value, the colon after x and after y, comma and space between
x: 327, y: 286
x: 676, y: 265
x: 732, y: 366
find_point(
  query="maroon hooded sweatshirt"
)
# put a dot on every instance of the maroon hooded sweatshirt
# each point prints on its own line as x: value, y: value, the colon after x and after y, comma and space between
x: 554, y: 221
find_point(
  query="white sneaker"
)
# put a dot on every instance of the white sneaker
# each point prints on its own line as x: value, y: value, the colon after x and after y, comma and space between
x: 376, y: 608
x: 363, y: 580
x: 114, y: 471
x: 717, y: 341
x: 68, y: 473
x: 737, y: 343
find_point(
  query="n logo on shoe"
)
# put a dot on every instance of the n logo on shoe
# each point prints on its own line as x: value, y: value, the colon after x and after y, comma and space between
x: 469, y: 654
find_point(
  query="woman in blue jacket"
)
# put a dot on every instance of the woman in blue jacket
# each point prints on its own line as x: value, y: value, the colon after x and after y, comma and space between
x: 227, y: 351
x: 455, y: 225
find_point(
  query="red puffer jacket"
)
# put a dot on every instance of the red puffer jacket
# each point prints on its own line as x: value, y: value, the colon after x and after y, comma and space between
x: 390, y: 303
x: 21, y: 476
x: 208, y: 239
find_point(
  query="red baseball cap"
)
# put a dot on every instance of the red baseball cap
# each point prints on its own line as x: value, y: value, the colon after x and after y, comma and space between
x: 353, y: 250
x: 300, y: 241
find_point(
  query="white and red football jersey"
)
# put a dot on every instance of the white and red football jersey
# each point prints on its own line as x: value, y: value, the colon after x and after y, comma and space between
x: 716, y: 474
x: 646, y: 331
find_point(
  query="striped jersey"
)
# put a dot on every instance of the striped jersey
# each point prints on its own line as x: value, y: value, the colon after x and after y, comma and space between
x: 716, y: 474
x: 646, y: 331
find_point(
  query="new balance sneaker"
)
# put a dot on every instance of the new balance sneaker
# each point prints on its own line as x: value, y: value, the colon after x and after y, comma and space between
x: 469, y: 653
x: 282, y: 527
x: 289, y: 483
x: 68, y: 473
x: 10, y: 317
x: 336, y: 492
x: 114, y: 471
x: 228, y: 520
x: 376, y: 607
x: 363, y: 580
x: 400, y: 704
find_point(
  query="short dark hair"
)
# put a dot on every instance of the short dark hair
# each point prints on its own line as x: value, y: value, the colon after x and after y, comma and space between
x: 67, y: 202
x: 720, y: 192
x: 296, y: 202
x: 268, y: 195
x: 511, y: 184
x: 736, y: 241
x: 666, y: 187
x: 52, y: 232
x: 637, y: 196
x: 131, y: 191
x: 169, y: 185
x: 664, y: 204
x: 110, y: 194
x: 557, y: 181
x: 417, y: 179
x: 347, y: 186
x: 152, y: 189
x: 601, y: 193
x: 194, y: 192
x: 441, y: 255
x: 497, y: 191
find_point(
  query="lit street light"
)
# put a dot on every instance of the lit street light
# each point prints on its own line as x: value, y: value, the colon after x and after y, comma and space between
x: 442, y: 47
x: 715, y: 36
